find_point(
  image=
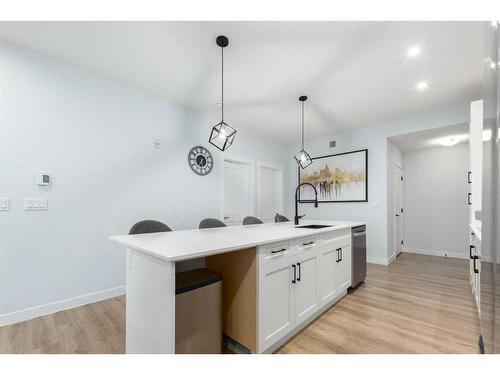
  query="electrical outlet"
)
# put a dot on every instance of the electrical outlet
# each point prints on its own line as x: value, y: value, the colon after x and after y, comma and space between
x: 35, y: 204
x: 4, y: 204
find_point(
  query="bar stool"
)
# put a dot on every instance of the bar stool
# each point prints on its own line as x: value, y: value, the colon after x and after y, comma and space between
x: 280, y: 218
x: 149, y: 226
x: 249, y: 220
x: 211, y: 223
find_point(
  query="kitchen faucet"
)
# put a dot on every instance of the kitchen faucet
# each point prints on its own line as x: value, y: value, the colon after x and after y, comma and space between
x: 297, y: 217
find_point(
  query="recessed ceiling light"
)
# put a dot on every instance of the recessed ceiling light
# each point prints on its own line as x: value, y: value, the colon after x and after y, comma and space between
x: 422, y: 85
x: 452, y: 140
x: 414, y: 51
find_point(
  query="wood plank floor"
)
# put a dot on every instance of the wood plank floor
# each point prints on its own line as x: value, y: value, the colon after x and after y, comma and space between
x: 418, y: 304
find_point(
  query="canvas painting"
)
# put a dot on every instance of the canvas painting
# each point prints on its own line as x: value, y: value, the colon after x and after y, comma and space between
x: 337, y: 178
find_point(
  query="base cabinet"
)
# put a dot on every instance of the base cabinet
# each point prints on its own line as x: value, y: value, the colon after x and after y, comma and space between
x: 293, y: 288
x: 276, y: 301
x: 306, y: 286
x: 474, y: 268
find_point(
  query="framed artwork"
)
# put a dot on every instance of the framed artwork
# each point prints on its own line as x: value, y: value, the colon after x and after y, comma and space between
x: 337, y: 178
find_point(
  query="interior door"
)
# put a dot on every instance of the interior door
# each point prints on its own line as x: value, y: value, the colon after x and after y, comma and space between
x: 277, y: 282
x: 306, y: 289
x: 398, y: 210
x: 236, y: 192
x: 269, y: 198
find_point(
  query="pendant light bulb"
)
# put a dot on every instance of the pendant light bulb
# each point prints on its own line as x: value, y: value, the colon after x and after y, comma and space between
x: 222, y: 135
x: 302, y: 157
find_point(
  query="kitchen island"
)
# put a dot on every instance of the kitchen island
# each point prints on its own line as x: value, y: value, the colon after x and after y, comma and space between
x: 281, y: 278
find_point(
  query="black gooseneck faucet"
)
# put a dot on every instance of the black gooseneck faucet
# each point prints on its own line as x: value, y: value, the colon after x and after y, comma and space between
x: 297, y: 217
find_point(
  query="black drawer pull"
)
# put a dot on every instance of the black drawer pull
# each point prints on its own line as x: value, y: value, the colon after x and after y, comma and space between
x: 294, y: 274
x: 338, y: 255
x: 469, y: 179
x: 277, y: 251
x: 307, y: 243
x: 475, y: 268
x: 470, y: 251
x: 298, y: 277
x: 469, y: 196
x: 341, y: 254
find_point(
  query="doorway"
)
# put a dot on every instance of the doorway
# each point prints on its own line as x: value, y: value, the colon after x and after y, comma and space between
x: 398, y: 209
x: 237, y: 186
x: 269, y: 191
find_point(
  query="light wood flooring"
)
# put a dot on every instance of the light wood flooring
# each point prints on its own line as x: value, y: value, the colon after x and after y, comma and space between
x: 418, y: 304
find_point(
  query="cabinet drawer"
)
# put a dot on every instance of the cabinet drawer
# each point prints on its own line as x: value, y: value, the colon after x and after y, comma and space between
x: 274, y: 251
x: 305, y: 243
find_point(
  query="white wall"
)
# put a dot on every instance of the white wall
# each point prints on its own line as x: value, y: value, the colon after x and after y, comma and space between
x: 435, y: 201
x: 374, y: 212
x: 95, y: 138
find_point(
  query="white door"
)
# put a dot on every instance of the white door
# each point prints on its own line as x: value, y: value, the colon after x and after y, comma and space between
x: 269, y: 191
x: 398, y: 210
x: 344, y: 270
x: 306, y: 287
x: 328, y: 257
x: 236, y: 192
x: 277, y: 282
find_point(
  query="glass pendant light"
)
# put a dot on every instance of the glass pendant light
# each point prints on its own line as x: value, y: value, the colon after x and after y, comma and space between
x: 302, y: 157
x: 222, y: 135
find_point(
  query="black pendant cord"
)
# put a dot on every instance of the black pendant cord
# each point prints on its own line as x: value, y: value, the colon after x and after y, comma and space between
x: 302, y: 125
x: 222, y: 71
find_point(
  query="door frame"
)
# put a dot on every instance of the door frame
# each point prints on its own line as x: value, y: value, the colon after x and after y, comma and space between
x: 279, y: 168
x: 397, y: 168
x: 251, y: 181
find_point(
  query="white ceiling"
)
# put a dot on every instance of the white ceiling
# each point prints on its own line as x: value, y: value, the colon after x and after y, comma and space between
x: 356, y: 74
x: 430, y: 138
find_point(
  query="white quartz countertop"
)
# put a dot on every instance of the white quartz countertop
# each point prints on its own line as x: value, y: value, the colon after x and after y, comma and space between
x: 196, y: 243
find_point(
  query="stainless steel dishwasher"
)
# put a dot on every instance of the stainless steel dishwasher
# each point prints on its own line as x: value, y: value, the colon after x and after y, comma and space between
x: 358, y: 273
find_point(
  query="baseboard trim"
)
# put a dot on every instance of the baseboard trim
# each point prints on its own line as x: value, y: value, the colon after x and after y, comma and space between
x: 50, y: 308
x: 382, y: 261
x: 434, y: 253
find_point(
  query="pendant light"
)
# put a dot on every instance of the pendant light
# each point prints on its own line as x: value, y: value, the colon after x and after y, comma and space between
x: 302, y: 157
x: 222, y: 135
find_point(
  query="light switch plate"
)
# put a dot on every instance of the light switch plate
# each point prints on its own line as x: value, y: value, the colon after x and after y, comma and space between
x: 35, y: 204
x: 4, y: 204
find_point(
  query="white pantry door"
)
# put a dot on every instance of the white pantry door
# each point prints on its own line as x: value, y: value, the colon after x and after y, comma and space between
x: 269, y: 191
x: 236, y: 191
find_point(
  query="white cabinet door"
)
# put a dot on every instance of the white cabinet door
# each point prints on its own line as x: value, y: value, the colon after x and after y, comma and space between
x: 344, y: 268
x: 306, y: 287
x: 327, y: 266
x: 276, y: 301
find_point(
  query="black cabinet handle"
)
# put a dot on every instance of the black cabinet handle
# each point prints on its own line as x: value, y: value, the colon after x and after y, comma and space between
x: 308, y: 243
x: 338, y: 255
x: 469, y: 196
x: 469, y: 177
x: 294, y: 274
x: 341, y: 254
x: 470, y: 251
x: 475, y: 268
x: 277, y: 251
x: 298, y: 277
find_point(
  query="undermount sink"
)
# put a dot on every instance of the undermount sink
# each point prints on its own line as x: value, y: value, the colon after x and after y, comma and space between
x: 314, y: 226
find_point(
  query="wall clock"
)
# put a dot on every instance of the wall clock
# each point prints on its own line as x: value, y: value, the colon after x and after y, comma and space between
x: 200, y: 160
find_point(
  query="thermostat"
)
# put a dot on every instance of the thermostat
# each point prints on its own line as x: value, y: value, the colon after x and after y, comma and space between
x: 42, y: 179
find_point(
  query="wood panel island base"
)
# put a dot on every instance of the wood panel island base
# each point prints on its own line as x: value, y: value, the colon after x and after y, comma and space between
x: 277, y: 278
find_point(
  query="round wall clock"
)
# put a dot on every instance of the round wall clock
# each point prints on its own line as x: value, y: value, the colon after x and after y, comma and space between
x: 200, y: 160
